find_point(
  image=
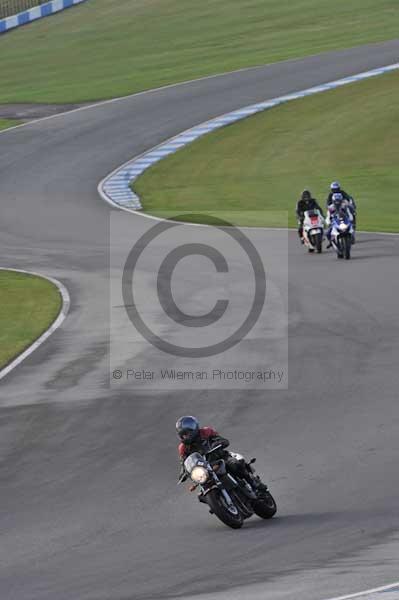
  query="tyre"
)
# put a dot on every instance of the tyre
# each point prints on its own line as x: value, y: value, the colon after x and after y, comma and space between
x: 319, y: 243
x: 347, y: 248
x: 219, y: 507
x: 317, y: 240
x: 265, y: 508
x: 245, y: 510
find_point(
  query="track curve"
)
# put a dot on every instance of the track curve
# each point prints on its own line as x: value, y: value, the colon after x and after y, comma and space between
x: 90, y: 509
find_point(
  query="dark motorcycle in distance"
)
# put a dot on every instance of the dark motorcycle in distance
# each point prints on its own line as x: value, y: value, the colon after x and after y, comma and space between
x: 231, y: 499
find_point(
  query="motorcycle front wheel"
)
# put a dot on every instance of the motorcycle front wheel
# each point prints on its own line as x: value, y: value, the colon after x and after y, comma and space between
x: 319, y: 243
x: 265, y: 508
x: 346, y: 248
x: 219, y: 507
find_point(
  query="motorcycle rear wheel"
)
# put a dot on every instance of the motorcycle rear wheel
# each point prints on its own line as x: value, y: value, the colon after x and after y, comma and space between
x: 265, y: 508
x: 219, y: 508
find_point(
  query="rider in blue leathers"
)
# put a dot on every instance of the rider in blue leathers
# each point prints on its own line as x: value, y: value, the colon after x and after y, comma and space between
x: 338, y: 204
x: 335, y: 188
x: 347, y: 202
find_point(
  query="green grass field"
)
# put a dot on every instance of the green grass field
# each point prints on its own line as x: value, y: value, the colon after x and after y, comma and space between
x: 264, y: 162
x: 107, y: 48
x: 28, y: 305
x: 5, y: 123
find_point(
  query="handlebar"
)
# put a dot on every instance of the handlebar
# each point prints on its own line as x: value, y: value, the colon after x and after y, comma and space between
x: 214, y: 449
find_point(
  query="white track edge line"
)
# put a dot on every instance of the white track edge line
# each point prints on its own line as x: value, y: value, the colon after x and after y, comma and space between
x: 65, y: 305
x: 383, y: 588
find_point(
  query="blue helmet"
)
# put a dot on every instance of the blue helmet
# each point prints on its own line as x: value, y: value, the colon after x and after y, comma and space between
x: 187, y: 429
x: 337, y: 198
x: 335, y: 186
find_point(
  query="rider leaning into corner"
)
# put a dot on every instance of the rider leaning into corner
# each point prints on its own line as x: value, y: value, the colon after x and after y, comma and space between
x: 194, y: 438
x: 306, y: 202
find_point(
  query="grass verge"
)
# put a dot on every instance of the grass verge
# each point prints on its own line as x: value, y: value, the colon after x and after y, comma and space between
x: 264, y: 162
x: 28, y: 306
x: 6, y: 123
x: 107, y: 48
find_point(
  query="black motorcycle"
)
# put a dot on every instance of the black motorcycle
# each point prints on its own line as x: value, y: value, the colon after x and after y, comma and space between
x: 231, y: 499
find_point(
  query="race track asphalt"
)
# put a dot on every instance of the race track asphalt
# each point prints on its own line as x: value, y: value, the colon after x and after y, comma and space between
x: 89, y: 508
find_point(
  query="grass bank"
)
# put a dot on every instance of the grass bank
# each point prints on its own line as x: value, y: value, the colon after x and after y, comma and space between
x: 106, y: 48
x: 5, y: 123
x: 28, y: 306
x: 262, y: 163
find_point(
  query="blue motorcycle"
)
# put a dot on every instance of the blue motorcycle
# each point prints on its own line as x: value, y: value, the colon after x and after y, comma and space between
x: 342, y: 233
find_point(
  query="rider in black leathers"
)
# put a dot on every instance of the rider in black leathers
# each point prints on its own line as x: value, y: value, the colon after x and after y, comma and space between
x: 306, y: 202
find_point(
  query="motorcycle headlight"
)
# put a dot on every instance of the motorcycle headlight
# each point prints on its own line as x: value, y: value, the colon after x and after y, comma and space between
x: 199, y: 475
x: 343, y: 227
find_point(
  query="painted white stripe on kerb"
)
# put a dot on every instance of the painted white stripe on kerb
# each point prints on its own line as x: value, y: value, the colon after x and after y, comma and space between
x: 35, y: 13
x: 65, y: 304
x: 12, y: 22
x: 387, y: 592
x: 128, y: 172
